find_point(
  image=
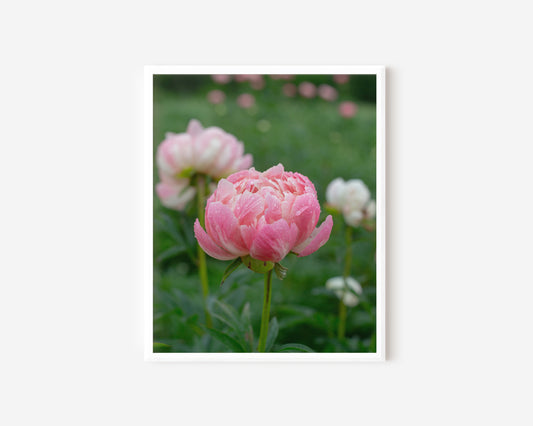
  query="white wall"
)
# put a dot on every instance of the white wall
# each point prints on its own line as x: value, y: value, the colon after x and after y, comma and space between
x: 460, y: 228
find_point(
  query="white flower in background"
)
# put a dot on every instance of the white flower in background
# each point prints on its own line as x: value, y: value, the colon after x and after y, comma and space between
x: 352, y: 198
x: 345, y: 290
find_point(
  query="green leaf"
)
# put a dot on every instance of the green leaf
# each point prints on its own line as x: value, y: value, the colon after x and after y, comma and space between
x: 161, y: 347
x: 230, y: 269
x: 171, y: 252
x: 226, y: 340
x: 247, y: 323
x: 294, y: 347
x: 231, y: 316
x: 273, y: 331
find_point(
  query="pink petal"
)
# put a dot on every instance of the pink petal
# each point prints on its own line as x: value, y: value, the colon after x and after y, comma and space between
x: 194, y: 128
x: 225, y: 191
x: 208, y: 245
x: 274, y: 171
x: 318, y: 238
x: 248, y: 207
x: 305, y: 213
x: 223, y: 227
x: 248, y: 234
x: 273, y: 208
x: 245, y: 162
x: 273, y: 241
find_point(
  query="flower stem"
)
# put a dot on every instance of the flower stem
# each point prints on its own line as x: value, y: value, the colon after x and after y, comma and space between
x: 265, y: 317
x: 348, y: 257
x: 202, y: 263
x: 347, y: 269
x: 342, y: 320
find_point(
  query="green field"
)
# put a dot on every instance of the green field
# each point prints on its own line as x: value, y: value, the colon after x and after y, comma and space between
x: 307, y: 136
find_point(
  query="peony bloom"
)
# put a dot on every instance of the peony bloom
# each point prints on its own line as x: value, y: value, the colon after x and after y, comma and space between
x: 262, y: 217
x: 174, y: 193
x: 341, y: 78
x: 281, y: 76
x: 216, y: 97
x: 328, y: 93
x: 307, y: 89
x: 347, y: 109
x: 290, y: 90
x: 257, y: 81
x: 246, y: 100
x: 345, y: 290
x: 352, y: 198
x: 210, y: 151
x: 221, y: 78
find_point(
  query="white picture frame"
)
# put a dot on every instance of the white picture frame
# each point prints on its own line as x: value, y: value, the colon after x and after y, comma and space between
x: 380, y: 354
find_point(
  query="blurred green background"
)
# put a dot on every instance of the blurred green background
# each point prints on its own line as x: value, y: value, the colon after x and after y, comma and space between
x: 308, y: 136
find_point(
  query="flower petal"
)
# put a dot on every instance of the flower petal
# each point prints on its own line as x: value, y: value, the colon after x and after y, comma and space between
x: 175, y: 195
x: 208, y: 245
x: 274, y: 241
x: 305, y: 213
x: 248, y: 207
x: 194, y: 128
x: 223, y: 227
x: 318, y: 238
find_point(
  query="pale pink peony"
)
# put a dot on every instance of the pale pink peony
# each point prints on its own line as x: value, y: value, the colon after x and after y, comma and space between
x: 347, y: 109
x: 256, y: 81
x: 290, y: 90
x: 307, y: 89
x: 211, y: 151
x: 246, y: 101
x: 221, y: 78
x: 264, y: 216
x: 174, y: 193
x: 281, y: 76
x: 216, y: 97
x: 328, y: 93
x: 341, y: 78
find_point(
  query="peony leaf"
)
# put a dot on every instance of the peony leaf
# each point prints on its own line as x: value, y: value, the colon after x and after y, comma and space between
x: 273, y: 330
x: 227, y: 340
x: 230, y: 269
x: 294, y: 347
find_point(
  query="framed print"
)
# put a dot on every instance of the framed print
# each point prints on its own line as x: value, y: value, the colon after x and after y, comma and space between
x: 265, y: 213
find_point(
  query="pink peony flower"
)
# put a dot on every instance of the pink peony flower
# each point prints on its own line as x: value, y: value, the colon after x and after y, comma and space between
x: 290, y: 90
x: 347, y: 109
x: 211, y: 151
x: 174, y: 193
x: 328, y: 93
x: 246, y: 100
x: 221, y: 78
x: 281, y: 76
x: 341, y: 78
x: 257, y: 82
x: 216, y: 97
x: 264, y: 216
x: 307, y: 89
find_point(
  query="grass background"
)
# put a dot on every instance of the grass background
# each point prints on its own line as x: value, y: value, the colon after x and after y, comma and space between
x: 305, y: 135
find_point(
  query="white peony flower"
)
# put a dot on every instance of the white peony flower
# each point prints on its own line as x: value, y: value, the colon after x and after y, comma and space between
x: 352, y: 198
x: 335, y: 193
x: 345, y: 289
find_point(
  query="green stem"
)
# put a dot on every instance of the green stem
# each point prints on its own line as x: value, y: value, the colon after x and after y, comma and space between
x: 202, y: 263
x: 265, y: 317
x: 342, y: 320
x: 347, y: 269
x: 348, y: 257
